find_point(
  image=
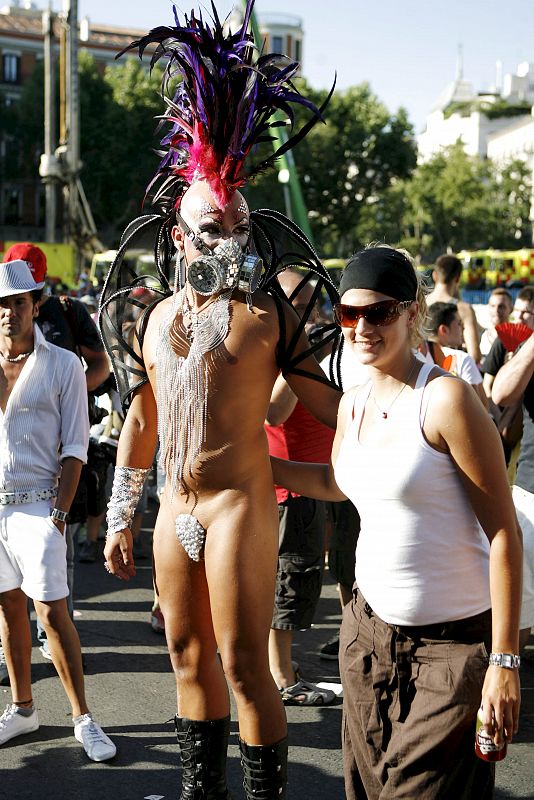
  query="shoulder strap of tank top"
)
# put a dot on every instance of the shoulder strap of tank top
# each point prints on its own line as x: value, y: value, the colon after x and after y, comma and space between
x: 360, y: 399
x: 422, y: 382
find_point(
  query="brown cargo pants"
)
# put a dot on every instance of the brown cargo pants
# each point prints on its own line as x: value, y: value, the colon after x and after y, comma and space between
x: 410, y: 702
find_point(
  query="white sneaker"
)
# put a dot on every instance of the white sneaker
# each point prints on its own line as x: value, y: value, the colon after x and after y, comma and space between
x: 13, y: 723
x: 96, y: 744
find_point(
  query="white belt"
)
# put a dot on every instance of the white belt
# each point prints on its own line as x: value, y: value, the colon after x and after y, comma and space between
x: 33, y: 496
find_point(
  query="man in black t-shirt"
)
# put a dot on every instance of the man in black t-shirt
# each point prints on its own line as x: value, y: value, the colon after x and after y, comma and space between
x: 523, y: 312
x: 508, y: 419
x: 58, y: 328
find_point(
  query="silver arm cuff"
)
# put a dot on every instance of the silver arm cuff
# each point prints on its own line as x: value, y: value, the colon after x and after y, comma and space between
x: 127, y: 487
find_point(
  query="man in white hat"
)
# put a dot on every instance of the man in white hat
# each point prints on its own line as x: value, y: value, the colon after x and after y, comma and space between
x: 42, y: 389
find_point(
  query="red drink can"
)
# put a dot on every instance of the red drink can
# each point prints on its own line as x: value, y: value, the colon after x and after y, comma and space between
x: 485, y: 747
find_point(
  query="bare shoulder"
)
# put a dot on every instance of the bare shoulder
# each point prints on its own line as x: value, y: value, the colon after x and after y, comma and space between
x: 445, y: 388
x: 454, y: 412
x: 263, y: 301
x: 157, y: 315
x: 264, y: 314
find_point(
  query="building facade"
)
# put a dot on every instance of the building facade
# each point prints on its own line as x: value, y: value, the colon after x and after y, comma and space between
x: 22, y: 208
x: 473, y: 117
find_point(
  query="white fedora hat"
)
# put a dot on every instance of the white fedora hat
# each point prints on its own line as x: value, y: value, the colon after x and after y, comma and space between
x: 16, y: 278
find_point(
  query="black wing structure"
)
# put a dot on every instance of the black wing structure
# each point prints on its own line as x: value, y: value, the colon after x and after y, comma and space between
x: 281, y: 244
x: 129, y: 295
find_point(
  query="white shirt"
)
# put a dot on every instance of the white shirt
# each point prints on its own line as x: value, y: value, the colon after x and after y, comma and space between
x: 463, y: 365
x: 486, y: 340
x: 46, y: 419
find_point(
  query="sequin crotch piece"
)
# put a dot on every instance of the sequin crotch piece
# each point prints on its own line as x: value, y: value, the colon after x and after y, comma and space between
x: 191, y: 535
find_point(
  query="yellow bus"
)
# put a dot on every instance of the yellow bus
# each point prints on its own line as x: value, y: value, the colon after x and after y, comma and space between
x: 475, y: 264
x: 502, y: 269
x: 60, y: 262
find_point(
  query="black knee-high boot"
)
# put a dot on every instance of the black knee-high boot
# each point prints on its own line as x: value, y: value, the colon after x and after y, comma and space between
x: 203, y: 748
x: 265, y: 770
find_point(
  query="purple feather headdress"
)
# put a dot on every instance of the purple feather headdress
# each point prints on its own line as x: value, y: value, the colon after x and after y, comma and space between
x: 224, y: 105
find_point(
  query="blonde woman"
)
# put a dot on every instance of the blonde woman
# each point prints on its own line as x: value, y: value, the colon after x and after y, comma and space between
x: 438, y: 561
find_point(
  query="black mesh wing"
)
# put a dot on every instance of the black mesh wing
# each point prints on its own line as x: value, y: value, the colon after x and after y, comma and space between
x: 130, y: 294
x: 281, y: 244
x: 128, y: 297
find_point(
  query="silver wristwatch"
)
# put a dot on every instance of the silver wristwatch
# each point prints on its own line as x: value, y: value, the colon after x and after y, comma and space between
x: 61, y: 516
x: 506, y: 660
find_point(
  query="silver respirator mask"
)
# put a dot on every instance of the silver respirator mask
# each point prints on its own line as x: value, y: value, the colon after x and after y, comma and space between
x: 224, y: 267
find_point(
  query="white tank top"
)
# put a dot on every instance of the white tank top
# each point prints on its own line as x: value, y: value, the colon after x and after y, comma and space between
x: 422, y: 556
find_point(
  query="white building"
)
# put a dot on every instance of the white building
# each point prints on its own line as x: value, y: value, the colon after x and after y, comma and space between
x: 459, y: 114
x: 283, y: 34
x: 520, y: 87
x: 515, y: 142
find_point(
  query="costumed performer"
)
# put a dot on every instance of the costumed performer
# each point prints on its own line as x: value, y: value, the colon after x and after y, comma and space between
x: 200, y: 378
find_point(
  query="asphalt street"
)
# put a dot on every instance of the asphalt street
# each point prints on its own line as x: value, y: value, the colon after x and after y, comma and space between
x: 130, y: 690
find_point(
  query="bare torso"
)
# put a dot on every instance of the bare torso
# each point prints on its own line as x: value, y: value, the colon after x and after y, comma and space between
x: 8, y: 378
x: 234, y: 462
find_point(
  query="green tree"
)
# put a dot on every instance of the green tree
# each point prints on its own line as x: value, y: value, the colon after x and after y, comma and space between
x: 512, y: 196
x: 345, y: 166
x: 458, y: 201
x: 117, y: 127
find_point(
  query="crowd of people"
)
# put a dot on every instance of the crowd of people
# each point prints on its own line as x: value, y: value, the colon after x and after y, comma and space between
x: 395, y: 442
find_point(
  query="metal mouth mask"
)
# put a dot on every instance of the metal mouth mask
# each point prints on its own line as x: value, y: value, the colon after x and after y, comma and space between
x: 225, y: 267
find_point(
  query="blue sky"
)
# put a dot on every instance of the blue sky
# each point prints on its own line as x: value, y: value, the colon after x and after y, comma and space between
x: 406, y: 50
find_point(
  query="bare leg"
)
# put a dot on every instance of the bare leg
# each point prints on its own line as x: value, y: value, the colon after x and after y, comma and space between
x: 241, y: 562
x: 16, y: 640
x: 280, y: 662
x: 92, y: 526
x: 180, y: 583
x: 65, y: 649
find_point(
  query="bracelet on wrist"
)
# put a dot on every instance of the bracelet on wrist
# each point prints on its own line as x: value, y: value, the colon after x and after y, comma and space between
x: 127, y: 488
x: 57, y: 514
x: 506, y: 660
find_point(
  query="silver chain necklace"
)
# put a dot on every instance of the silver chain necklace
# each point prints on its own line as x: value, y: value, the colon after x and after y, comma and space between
x: 191, y: 317
x: 384, y: 412
x: 15, y: 359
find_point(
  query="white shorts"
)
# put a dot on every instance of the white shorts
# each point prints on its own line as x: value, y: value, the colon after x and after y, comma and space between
x: 33, y: 552
x: 524, y: 506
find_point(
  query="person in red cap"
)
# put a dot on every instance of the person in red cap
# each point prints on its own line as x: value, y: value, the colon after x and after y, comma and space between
x: 81, y: 335
x: 42, y: 388
x: 66, y: 323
